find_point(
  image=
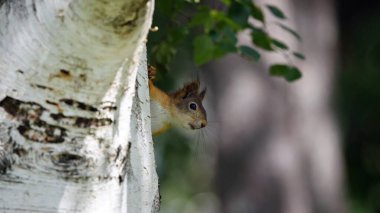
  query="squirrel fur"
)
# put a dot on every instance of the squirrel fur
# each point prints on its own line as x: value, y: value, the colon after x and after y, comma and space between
x: 181, y: 108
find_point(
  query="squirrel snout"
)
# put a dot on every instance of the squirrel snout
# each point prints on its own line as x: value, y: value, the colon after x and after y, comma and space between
x: 203, y: 123
x: 198, y: 124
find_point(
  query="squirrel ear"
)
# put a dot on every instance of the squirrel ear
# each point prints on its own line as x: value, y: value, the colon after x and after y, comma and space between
x: 185, y: 94
x: 202, y: 94
x: 190, y: 89
x: 181, y: 94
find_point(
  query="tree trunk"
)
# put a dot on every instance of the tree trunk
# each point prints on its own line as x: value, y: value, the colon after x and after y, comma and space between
x: 279, y: 147
x: 74, y: 107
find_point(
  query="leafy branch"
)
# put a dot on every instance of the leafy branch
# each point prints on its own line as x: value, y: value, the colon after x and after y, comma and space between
x: 212, y: 32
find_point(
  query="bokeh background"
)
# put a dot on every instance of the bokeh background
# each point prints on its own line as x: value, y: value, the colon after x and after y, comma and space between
x: 272, y: 146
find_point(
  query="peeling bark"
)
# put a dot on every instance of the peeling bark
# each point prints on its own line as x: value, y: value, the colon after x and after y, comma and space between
x: 74, y: 107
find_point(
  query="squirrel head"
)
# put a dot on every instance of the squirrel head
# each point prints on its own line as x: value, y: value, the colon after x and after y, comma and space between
x: 189, y: 111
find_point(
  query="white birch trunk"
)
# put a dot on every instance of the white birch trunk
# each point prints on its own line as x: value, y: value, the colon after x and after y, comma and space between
x: 74, y: 107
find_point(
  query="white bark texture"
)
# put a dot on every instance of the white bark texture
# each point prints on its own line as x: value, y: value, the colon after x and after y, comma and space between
x: 74, y: 107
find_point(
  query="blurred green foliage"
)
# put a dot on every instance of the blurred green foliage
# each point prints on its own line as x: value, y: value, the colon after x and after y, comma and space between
x: 212, y: 30
x: 359, y: 109
x: 191, y: 34
x: 183, y: 172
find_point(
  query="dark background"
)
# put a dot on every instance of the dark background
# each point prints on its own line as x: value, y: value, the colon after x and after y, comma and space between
x: 358, y: 100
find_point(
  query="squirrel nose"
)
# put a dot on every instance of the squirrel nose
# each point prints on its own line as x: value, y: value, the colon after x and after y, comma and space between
x: 203, y: 124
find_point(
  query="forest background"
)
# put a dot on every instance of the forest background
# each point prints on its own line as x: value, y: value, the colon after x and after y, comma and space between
x: 223, y: 169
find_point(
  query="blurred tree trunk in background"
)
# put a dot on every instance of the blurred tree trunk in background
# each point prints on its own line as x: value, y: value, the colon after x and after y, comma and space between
x: 279, y: 148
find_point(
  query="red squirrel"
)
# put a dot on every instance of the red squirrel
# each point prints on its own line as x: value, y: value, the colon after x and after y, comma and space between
x: 181, y: 108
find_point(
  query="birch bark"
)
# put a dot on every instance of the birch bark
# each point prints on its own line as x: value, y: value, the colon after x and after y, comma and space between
x: 74, y: 107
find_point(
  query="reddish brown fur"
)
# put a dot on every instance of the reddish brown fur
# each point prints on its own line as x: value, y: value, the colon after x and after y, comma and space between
x: 177, y: 103
x: 151, y: 72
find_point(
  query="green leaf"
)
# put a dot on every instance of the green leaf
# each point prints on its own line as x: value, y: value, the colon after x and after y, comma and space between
x: 279, y: 44
x: 299, y: 55
x: 249, y: 53
x: 225, y: 41
x: 256, y: 12
x: 203, y: 18
x: 221, y: 20
x: 223, y: 49
x: 238, y: 13
x: 288, y: 72
x: 261, y: 39
x: 231, y: 23
x: 225, y: 34
x: 276, y: 11
x: 290, y: 30
x: 203, y: 49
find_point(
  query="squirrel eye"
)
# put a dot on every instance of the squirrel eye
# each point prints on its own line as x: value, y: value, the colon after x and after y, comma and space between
x: 193, y: 106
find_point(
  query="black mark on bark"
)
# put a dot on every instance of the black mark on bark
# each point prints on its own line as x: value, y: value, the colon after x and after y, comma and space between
x: 126, y: 162
x: 21, y: 110
x: 6, y: 147
x: 109, y: 108
x: 42, y: 132
x: 78, y: 104
x: 129, y: 146
x: 91, y: 122
x: 34, y: 7
x: 83, y: 77
x: 19, y: 151
x: 68, y: 164
x: 32, y: 127
x: 121, y: 179
x: 64, y: 72
x: 81, y: 122
x: 52, y: 103
x: 39, y: 86
x: 68, y: 159
x: 5, y: 161
x: 118, y: 152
